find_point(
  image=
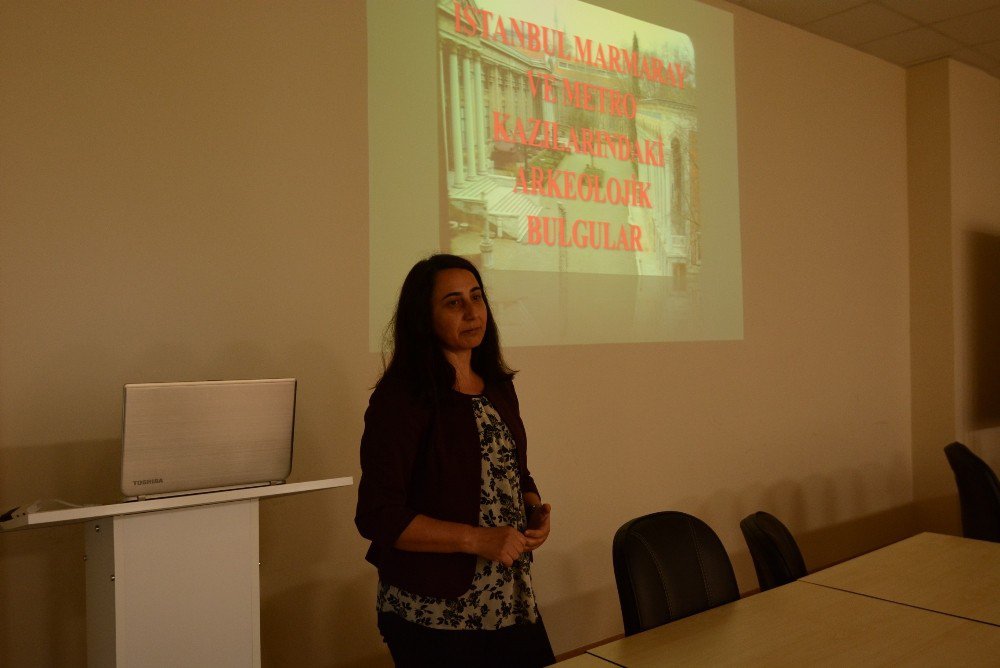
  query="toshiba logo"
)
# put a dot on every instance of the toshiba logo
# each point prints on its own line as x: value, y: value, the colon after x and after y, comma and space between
x: 147, y: 481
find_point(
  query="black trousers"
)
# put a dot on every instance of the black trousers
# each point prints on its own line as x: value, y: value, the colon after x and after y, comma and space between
x: 520, y: 645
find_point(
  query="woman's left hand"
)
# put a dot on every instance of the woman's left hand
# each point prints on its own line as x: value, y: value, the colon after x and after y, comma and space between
x: 539, y: 525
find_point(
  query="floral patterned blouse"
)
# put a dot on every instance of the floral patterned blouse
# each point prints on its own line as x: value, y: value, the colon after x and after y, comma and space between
x: 499, y: 596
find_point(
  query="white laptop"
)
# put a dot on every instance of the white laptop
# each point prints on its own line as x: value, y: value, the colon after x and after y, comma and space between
x: 183, y: 438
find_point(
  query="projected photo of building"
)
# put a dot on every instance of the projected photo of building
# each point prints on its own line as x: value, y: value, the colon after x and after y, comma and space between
x: 570, y: 139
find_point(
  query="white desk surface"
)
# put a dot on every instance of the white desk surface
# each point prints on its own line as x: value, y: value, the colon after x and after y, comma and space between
x: 802, y: 624
x: 82, y: 514
x: 947, y: 574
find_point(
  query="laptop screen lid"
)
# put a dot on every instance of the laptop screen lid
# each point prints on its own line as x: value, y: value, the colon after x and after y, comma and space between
x: 179, y: 438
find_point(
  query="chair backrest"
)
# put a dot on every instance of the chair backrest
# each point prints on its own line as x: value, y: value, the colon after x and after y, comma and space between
x: 776, y: 556
x: 669, y: 565
x: 978, y: 493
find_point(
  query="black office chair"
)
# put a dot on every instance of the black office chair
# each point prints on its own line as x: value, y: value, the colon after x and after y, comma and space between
x: 978, y: 493
x: 669, y: 565
x: 776, y: 555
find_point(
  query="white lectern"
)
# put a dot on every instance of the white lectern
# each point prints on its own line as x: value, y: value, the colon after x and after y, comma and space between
x: 174, y: 581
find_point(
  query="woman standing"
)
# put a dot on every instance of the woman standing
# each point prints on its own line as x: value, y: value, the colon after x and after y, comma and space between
x: 445, y: 495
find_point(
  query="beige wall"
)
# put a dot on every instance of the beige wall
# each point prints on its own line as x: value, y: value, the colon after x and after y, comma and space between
x: 975, y: 209
x: 932, y: 299
x: 954, y: 168
x: 183, y: 194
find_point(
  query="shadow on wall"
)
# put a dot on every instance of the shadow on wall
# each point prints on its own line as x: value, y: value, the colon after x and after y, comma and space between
x: 43, y: 597
x: 824, y: 546
x: 832, y: 544
x: 42, y: 606
x: 348, y: 633
x: 984, y: 323
x: 314, y: 612
x: 834, y: 541
x: 589, y: 602
x: 837, y: 503
x: 80, y: 472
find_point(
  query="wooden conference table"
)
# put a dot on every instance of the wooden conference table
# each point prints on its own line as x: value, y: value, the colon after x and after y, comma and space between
x: 927, y: 600
x: 946, y: 574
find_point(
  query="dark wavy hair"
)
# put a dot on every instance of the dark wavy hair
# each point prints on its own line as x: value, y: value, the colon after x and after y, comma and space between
x: 417, y: 358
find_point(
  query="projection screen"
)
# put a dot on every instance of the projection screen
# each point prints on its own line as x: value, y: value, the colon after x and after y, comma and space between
x: 584, y: 159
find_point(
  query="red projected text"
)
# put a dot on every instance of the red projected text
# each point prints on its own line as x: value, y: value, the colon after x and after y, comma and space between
x: 596, y: 234
x: 511, y: 31
x: 598, y: 143
x: 572, y: 128
x: 587, y: 187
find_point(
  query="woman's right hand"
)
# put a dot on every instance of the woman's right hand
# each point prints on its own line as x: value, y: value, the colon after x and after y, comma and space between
x: 503, y: 544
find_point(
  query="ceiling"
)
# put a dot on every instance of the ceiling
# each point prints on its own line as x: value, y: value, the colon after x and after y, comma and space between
x: 905, y: 32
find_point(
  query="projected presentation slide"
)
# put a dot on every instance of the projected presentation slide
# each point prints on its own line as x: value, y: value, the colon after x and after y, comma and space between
x: 583, y: 159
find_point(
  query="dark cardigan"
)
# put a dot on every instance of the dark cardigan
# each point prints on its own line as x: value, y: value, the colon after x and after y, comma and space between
x: 418, y: 458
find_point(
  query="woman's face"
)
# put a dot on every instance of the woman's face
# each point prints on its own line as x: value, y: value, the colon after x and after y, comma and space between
x: 458, y: 310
